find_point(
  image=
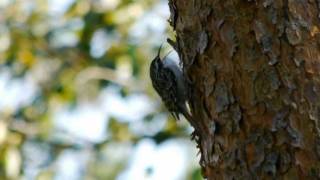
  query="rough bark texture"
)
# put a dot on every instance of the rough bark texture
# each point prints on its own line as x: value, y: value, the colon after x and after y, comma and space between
x: 253, y: 68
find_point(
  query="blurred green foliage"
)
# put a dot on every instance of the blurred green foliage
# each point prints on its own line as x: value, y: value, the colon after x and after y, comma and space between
x: 71, y: 54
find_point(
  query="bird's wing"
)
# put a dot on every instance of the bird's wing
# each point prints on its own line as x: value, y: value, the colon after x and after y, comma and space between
x: 168, y: 91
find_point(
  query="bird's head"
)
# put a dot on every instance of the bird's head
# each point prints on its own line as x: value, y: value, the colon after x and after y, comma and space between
x: 156, y: 63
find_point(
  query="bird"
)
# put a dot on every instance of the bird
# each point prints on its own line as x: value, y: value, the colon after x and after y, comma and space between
x: 168, y: 81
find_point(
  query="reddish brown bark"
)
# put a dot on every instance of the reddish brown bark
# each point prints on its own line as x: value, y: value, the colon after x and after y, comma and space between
x: 254, y: 78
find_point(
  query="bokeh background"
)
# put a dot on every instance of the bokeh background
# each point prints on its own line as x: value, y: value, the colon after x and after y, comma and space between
x: 76, y: 101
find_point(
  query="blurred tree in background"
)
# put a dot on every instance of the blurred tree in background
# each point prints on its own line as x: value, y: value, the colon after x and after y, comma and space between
x: 75, y: 96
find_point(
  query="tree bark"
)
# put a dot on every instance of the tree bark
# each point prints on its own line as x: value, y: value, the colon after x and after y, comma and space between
x: 253, y: 69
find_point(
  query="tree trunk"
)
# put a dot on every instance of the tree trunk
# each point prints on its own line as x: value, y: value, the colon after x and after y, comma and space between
x: 253, y: 69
